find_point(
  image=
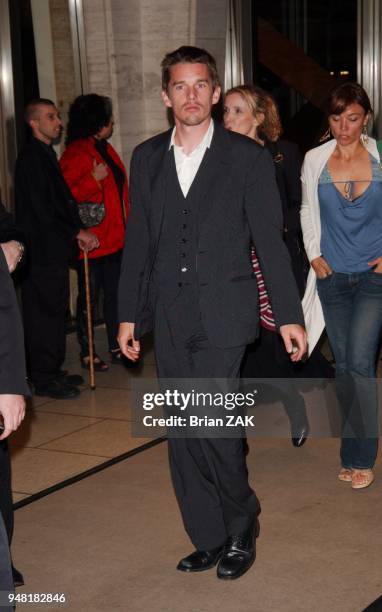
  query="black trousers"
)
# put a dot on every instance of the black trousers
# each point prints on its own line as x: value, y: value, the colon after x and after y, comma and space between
x: 6, y: 580
x: 210, y: 476
x: 6, y: 503
x: 103, y: 272
x: 45, y: 295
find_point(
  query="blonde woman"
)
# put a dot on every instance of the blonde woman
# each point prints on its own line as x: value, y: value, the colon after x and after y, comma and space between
x: 252, y: 112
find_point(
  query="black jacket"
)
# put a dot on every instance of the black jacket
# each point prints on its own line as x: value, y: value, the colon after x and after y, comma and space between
x: 240, y: 205
x: 12, y: 359
x: 8, y: 230
x: 45, y: 208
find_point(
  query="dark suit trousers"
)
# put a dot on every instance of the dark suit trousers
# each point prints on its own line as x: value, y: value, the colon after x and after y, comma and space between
x: 210, y: 476
x: 6, y: 580
x: 6, y: 503
x: 45, y: 295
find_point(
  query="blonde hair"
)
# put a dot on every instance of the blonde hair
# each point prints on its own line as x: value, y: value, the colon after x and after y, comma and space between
x: 261, y: 102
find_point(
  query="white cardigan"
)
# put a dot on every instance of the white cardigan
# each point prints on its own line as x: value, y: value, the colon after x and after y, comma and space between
x: 314, y: 162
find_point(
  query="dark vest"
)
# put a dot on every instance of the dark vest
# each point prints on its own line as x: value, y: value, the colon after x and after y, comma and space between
x: 176, y: 259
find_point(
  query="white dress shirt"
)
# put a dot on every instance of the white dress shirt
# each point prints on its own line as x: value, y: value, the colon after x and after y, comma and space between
x: 188, y: 165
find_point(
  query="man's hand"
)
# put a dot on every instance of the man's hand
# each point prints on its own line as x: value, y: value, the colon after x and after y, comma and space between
x: 295, y: 341
x: 377, y: 263
x: 87, y: 241
x: 12, y: 407
x: 321, y: 267
x: 128, y: 345
x: 13, y: 252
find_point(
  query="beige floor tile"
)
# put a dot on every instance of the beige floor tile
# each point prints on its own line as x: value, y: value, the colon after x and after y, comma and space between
x: 101, y: 403
x: 35, y: 401
x: 40, y: 427
x: 116, y: 377
x: 109, y: 438
x: 148, y: 371
x: 18, y: 496
x: 119, y: 377
x: 111, y: 542
x: 35, y: 469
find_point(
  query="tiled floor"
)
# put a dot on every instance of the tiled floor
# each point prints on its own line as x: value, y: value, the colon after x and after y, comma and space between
x: 112, y: 541
x: 62, y: 438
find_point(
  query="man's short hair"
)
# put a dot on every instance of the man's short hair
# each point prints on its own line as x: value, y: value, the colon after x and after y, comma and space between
x: 32, y: 106
x: 189, y: 55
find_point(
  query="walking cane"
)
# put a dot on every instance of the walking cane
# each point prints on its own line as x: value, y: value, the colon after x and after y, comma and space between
x: 89, y: 322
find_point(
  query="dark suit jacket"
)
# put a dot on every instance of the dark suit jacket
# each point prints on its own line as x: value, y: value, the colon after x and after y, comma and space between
x: 8, y: 230
x: 240, y: 205
x: 12, y: 360
x: 12, y: 375
x: 45, y: 208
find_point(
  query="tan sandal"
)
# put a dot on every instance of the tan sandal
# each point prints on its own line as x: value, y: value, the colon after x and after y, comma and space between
x: 345, y: 475
x: 360, y: 479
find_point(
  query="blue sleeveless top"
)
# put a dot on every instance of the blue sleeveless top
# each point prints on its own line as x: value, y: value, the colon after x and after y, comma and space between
x: 351, y: 231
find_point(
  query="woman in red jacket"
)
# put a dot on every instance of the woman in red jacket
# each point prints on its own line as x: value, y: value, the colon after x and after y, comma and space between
x: 95, y: 173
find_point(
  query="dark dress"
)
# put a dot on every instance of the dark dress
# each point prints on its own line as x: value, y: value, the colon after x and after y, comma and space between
x: 266, y: 357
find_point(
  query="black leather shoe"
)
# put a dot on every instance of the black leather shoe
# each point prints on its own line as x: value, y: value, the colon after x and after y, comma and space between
x: 300, y: 434
x: 56, y: 389
x: 118, y: 358
x: 239, y: 553
x: 18, y: 578
x: 200, y: 560
x: 70, y: 379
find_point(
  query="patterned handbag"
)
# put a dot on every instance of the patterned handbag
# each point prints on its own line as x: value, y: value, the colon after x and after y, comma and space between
x: 91, y: 213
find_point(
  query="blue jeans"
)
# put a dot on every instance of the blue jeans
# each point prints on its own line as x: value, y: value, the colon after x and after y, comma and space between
x: 352, y: 306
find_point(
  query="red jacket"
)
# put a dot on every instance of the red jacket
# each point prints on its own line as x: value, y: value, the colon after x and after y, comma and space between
x: 77, y: 164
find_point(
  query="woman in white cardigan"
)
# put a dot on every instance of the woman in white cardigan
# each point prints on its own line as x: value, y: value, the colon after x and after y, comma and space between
x: 341, y: 219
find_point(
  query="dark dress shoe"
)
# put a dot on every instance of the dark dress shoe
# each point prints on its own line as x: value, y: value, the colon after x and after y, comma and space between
x: 300, y: 434
x: 70, y: 379
x: 18, y: 579
x: 239, y: 553
x: 56, y: 389
x: 200, y: 560
x: 119, y: 359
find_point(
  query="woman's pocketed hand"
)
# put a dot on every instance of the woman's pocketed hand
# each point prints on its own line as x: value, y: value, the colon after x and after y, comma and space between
x: 377, y: 263
x: 321, y: 267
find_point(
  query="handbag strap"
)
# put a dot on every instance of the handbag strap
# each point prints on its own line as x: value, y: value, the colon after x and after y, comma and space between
x: 278, y: 158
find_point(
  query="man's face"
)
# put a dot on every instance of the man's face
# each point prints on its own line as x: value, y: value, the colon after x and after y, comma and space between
x: 46, y: 124
x: 190, y: 93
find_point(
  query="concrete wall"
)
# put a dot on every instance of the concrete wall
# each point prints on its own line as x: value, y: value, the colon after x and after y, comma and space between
x: 125, y: 43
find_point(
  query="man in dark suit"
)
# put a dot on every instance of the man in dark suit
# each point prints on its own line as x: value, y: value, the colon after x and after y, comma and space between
x: 199, y: 196
x: 48, y: 215
x: 12, y: 245
x: 13, y: 387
